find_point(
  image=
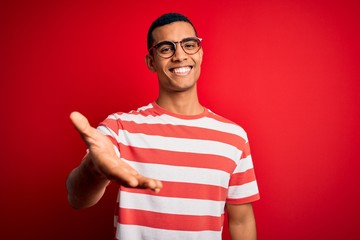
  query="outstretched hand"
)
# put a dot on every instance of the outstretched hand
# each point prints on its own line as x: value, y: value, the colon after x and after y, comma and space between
x: 105, y: 161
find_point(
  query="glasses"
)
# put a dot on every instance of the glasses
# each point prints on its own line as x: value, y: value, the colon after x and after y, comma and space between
x: 167, y: 49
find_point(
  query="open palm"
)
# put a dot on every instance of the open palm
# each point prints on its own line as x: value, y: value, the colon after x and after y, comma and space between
x: 104, y: 158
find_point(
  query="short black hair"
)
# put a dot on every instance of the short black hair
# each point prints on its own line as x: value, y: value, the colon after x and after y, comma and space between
x: 164, y: 20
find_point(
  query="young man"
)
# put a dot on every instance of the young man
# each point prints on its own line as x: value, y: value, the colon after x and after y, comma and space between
x: 202, y: 161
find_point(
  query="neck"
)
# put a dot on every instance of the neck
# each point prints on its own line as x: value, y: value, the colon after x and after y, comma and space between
x: 184, y: 103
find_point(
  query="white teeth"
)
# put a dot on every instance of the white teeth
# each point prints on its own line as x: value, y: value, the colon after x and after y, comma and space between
x: 182, y: 70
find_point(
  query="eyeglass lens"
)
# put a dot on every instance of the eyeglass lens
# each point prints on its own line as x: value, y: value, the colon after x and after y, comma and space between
x: 167, y: 49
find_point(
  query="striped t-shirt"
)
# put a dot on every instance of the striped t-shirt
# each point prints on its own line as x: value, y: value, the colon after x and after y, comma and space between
x: 203, y: 162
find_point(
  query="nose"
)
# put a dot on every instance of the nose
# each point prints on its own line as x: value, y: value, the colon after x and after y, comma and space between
x: 180, y: 54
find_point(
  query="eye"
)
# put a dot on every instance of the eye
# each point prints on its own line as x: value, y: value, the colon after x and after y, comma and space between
x: 190, y: 44
x: 165, y: 48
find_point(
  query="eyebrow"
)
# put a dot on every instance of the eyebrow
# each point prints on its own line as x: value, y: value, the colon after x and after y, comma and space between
x: 174, y: 41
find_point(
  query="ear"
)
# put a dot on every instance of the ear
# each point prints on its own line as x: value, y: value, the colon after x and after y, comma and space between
x: 201, y: 53
x: 150, y: 62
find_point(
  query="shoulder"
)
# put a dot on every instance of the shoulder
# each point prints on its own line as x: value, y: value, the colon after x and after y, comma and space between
x: 147, y: 110
x: 117, y: 119
x: 227, y: 125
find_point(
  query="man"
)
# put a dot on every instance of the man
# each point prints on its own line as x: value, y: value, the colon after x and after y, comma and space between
x: 202, y: 161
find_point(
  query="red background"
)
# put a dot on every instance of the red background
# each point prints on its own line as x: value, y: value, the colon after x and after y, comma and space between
x: 287, y: 71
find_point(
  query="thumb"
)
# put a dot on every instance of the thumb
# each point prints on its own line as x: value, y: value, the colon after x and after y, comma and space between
x: 81, y: 123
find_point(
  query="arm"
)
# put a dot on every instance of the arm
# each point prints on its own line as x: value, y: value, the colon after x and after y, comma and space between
x: 86, y: 184
x: 242, y: 224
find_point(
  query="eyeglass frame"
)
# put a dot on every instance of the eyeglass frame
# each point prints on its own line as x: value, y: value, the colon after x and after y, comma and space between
x: 199, y: 40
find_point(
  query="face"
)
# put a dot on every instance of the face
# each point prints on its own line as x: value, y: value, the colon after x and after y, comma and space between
x: 180, y: 72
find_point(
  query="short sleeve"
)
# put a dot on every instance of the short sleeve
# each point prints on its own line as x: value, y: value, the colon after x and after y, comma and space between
x: 243, y: 186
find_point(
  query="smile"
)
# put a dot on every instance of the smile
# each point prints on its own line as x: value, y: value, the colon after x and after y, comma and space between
x: 181, y: 70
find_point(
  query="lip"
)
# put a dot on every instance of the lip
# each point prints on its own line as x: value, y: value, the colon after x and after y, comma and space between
x: 181, y: 70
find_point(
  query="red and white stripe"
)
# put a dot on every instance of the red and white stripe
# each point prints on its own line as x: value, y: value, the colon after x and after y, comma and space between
x: 203, y: 162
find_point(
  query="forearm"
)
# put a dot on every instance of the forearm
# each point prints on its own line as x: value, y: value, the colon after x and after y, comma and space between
x: 84, y: 185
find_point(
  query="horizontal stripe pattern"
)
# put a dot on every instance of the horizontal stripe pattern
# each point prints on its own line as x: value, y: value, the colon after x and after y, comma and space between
x: 180, y: 206
x: 177, y: 144
x: 244, y: 165
x: 244, y: 190
x: 182, y: 174
x: 135, y: 232
x: 243, y: 177
x: 178, y: 159
x: 168, y: 130
x: 203, y: 162
x: 177, y: 222
x: 185, y: 190
x: 204, y: 122
x: 243, y: 200
x: 174, y: 144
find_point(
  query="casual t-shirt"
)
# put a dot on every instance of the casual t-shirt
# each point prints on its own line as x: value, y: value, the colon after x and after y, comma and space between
x: 203, y: 161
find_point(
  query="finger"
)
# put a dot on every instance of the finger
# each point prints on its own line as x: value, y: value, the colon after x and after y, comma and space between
x: 81, y: 124
x: 125, y: 179
x: 149, y: 183
x: 158, y: 186
x: 117, y: 170
x: 122, y: 173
